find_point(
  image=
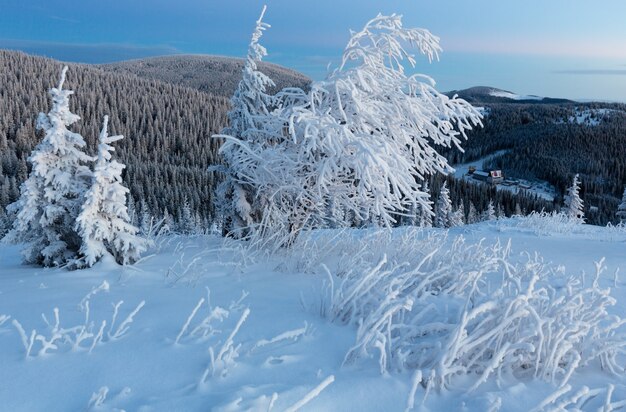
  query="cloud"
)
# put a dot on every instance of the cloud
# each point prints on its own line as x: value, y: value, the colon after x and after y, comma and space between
x: 554, y: 47
x: 64, y: 19
x: 88, y: 53
x: 594, y: 72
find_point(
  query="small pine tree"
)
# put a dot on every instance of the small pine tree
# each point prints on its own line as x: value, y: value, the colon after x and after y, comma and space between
x: 250, y: 103
x: 573, y: 202
x: 621, y: 209
x: 490, y: 213
x: 146, y: 221
x: 168, y: 221
x: 52, y: 194
x: 472, y: 215
x: 426, y: 208
x: 444, y: 207
x: 104, y: 224
x: 132, y: 210
x: 457, y: 218
x: 500, y: 211
x: 186, y: 223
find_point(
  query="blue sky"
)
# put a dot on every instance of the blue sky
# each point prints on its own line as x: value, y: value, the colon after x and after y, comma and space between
x: 560, y: 48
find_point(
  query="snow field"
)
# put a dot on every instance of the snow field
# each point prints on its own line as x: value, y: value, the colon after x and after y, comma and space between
x: 226, y: 329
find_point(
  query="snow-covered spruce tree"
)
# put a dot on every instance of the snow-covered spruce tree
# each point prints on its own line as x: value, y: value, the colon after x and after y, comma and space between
x: 103, y: 223
x: 186, y: 220
x: 146, y: 220
x: 457, y: 218
x: 489, y: 213
x: 237, y: 201
x: 368, y: 133
x: 472, y: 215
x: 621, y: 209
x: 444, y: 208
x: 51, y: 197
x: 573, y: 202
x: 426, y: 208
x: 500, y: 211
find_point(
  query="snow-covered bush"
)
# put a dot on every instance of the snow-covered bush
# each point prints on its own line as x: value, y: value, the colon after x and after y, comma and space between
x: 52, y: 194
x: 449, y: 308
x: 103, y: 223
x: 363, y: 138
x: 546, y: 223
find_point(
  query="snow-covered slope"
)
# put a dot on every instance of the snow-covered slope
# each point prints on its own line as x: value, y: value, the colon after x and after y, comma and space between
x: 262, y: 322
x: 513, y: 96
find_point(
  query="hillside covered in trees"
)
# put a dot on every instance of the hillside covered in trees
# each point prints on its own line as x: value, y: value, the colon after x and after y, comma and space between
x: 168, y: 129
x: 217, y: 75
x: 169, y: 107
x: 543, y: 140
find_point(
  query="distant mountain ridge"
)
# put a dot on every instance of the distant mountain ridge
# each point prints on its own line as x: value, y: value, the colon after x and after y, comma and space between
x: 486, y: 94
x: 218, y: 75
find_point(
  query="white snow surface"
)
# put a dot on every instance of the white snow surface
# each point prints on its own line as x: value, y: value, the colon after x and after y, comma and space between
x: 260, y: 322
x: 513, y: 96
x: 589, y: 117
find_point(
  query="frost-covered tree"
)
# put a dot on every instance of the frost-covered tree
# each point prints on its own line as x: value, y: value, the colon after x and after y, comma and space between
x: 621, y: 209
x: 457, y: 218
x: 168, y: 221
x: 132, y: 210
x: 368, y: 133
x: 186, y: 220
x: 146, y: 221
x: 444, y: 207
x: 51, y: 197
x: 500, y: 211
x: 237, y: 194
x: 472, y: 214
x: 489, y: 213
x: 103, y: 223
x: 426, y: 208
x: 573, y: 202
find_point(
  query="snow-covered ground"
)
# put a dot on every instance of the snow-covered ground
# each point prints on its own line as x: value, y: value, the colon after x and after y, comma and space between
x: 587, y: 117
x: 540, y: 188
x: 513, y: 96
x: 261, y: 320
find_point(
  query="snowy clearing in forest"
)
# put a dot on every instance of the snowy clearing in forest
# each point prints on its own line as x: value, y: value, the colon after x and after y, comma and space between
x: 540, y: 188
x: 587, y: 117
x: 203, y: 324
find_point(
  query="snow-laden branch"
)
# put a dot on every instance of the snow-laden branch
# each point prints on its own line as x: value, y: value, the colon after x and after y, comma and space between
x: 353, y: 150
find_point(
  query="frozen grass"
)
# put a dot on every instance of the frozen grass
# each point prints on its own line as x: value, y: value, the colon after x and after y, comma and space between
x: 87, y: 335
x: 453, y: 323
x: 450, y: 308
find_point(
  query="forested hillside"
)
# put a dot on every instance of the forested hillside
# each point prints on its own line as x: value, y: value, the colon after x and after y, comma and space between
x: 553, y: 142
x: 217, y: 75
x: 168, y: 129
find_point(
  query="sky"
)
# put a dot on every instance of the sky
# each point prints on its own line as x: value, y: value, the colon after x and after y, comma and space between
x: 559, y: 48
